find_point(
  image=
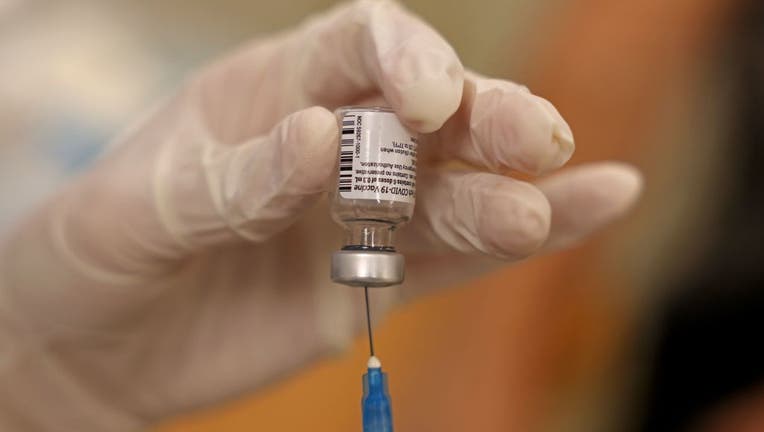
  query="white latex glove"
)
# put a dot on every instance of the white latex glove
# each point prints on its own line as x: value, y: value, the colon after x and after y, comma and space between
x: 191, y: 263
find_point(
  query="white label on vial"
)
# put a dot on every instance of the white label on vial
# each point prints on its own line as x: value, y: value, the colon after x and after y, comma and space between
x: 377, y: 158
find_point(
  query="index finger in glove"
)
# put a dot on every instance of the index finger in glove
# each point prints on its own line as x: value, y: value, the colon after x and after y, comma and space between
x: 337, y: 58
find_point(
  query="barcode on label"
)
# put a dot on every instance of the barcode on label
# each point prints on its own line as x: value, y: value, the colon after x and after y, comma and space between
x: 347, y: 147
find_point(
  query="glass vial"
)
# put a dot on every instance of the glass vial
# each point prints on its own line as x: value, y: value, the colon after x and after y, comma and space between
x: 375, y: 194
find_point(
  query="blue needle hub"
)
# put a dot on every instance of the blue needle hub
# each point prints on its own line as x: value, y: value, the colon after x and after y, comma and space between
x: 375, y: 404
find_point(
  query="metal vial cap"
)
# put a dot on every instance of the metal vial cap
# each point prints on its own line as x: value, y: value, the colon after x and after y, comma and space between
x: 367, y: 268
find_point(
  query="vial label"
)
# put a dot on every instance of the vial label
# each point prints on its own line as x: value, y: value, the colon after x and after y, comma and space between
x: 377, y: 158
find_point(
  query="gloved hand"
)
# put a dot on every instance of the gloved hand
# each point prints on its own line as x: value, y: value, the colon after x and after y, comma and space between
x: 191, y: 263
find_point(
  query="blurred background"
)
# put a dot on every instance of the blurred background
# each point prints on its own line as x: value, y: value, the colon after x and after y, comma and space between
x: 654, y: 325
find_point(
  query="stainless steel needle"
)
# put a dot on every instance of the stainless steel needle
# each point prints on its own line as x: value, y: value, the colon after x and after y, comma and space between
x: 368, y: 320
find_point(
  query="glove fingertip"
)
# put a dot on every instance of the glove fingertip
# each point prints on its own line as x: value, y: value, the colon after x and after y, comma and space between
x: 516, y: 220
x: 588, y: 197
x: 498, y: 216
x: 426, y: 105
x: 417, y: 70
x: 313, y: 138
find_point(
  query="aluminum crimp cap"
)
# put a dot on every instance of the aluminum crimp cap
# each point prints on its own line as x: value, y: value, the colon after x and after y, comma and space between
x: 367, y: 268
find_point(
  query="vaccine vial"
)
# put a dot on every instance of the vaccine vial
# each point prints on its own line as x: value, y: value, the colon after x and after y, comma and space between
x: 375, y: 194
